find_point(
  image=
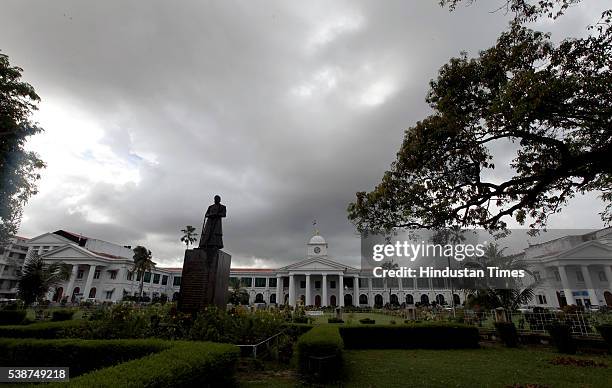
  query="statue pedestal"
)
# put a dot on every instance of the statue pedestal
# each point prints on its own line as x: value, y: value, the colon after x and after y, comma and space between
x: 205, y: 280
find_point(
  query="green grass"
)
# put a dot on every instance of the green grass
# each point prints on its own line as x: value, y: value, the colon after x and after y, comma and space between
x: 487, y: 367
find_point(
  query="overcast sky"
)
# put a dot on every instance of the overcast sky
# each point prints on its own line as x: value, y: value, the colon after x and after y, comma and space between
x: 284, y: 108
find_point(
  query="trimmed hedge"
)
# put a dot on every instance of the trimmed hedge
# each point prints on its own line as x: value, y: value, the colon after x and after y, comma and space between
x: 367, y: 321
x: 508, y: 334
x: 334, y: 320
x: 606, y: 332
x: 12, y: 317
x: 561, y: 335
x: 417, y: 336
x: 319, y: 354
x: 294, y: 330
x: 81, y: 355
x: 62, y: 315
x: 45, y: 330
x: 184, y: 364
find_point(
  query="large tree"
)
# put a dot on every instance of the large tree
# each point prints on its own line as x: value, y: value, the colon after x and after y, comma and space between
x: 18, y: 168
x: 550, y: 104
x: 38, y: 277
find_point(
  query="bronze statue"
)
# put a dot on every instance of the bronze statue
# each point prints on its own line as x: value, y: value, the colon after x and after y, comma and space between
x: 212, y: 232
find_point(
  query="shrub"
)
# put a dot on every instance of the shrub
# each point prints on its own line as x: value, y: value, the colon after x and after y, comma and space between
x: 367, y: 321
x: 12, y: 317
x: 294, y: 330
x: 185, y: 364
x: 507, y: 333
x: 606, y: 332
x: 561, y: 336
x: 320, y: 354
x: 81, y: 355
x: 62, y: 315
x: 416, y: 336
x: 334, y: 320
x: 47, y: 330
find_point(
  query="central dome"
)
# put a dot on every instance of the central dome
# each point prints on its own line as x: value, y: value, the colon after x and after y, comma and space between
x: 316, y: 239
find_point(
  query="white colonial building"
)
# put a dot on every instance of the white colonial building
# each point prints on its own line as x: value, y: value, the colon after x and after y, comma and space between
x: 570, y: 270
x: 12, y: 257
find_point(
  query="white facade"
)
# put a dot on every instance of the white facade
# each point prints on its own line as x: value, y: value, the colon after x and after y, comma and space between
x: 12, y: 257
x: 573, y: 270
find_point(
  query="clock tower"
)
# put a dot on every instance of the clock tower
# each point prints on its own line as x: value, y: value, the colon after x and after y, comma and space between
x: 316, y: 247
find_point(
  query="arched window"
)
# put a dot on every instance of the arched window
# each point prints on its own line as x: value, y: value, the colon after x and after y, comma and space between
x: 272, y: 298
x: 424, y: 299
x: 378, y: 301
x: 456, y: 299
x: 348, y: 300
x: 440, y: 299
x: 409, y: 299
x: 318, y: 300
x: 332, y: 301
x: 75, y: 292
x: 92, y: 292
x: 394, y: 300
x: 259, y: 298
x: 363, y: 299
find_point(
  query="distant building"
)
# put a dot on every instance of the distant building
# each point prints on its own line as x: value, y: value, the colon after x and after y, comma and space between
x: 570, y: 270
x: 12, y: 257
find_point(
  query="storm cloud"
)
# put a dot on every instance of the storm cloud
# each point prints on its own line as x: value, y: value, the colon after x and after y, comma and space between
x: 284, y: 108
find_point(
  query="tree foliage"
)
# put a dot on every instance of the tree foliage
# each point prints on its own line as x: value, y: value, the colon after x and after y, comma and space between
x: 189, y: 235
x: 550, y: 104
x: 142, y: 263
x: 38, y: 277
x: 18, y: 168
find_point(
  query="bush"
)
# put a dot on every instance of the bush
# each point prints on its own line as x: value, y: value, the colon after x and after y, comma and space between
x: 47, y: 330
x: 185, y: 364
x: 81, y: 355
x: 507, y: 333
x: 367, y: 321
x: 417, y: 336
x: 320, y: 354
x: 561, y: 335
x: 62, y: 315
x: 294, y: 330
x: 606, y: 332
x: 12, y: 317
x: 334, y: 320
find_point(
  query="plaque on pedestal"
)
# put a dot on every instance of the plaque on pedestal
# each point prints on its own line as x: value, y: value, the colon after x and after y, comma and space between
x: 205, y: 280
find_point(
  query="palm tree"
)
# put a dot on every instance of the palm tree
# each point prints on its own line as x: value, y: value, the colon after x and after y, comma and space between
x: 489, y: 294
x: 389, y: 265
x: 142, y: 264
x: 238, y: 295
x: 38, y: 277
x: 189, y: 235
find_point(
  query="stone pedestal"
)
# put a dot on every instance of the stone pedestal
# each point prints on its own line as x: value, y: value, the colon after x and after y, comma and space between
x: 205, y: 280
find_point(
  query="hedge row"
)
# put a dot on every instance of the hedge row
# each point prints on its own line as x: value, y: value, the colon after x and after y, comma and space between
x: 606, y: 332
x: 12, y: 317
x: 417, y: 336
x: 319, y: 353
x: 81, y: 355
x: 185, y: 364
x: 45, y: 330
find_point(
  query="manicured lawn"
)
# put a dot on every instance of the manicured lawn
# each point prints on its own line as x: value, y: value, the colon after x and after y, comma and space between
x: 487, y: 367
x: 353, y: 318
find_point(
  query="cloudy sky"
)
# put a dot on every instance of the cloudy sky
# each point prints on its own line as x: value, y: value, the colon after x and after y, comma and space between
x: 284, y: 108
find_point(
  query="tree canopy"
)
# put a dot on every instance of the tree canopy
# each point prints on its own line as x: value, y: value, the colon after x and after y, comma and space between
x: 18, y: 168
x: 550, y: 104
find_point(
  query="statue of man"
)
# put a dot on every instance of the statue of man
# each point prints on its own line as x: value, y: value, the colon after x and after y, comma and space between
x: 212, y: 233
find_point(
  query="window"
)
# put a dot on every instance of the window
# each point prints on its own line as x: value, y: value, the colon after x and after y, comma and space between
x: 302, y: 283
x: 377, y: 283
x: 407, y: 283
x: 176, y: 281
x: 260, y: 282
x: 542, y: 299
x: 80, y: 274
x: 272, y: 283
x: 363, y: 283
x: 332, y: 284
x: 272, y: 297
x: 348, y: 282
x: 317, y: 284
x: 109, y: 294
x: 285, y: 282
x: 438, y: 283
x: 156, y: 278
x: 602, y: 276
x: 246, y: 282
x: 147, y: 277
x: 423, y: 283
x: 97, y: 274
x: 536, y: 276
x: 579, y: 276
x: 557, y: 276
x: 164, y: 280
x: 113, y: 275
x: 392, y: 282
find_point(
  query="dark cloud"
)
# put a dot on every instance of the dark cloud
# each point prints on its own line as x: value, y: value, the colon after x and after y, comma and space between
x: 286, y: 109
